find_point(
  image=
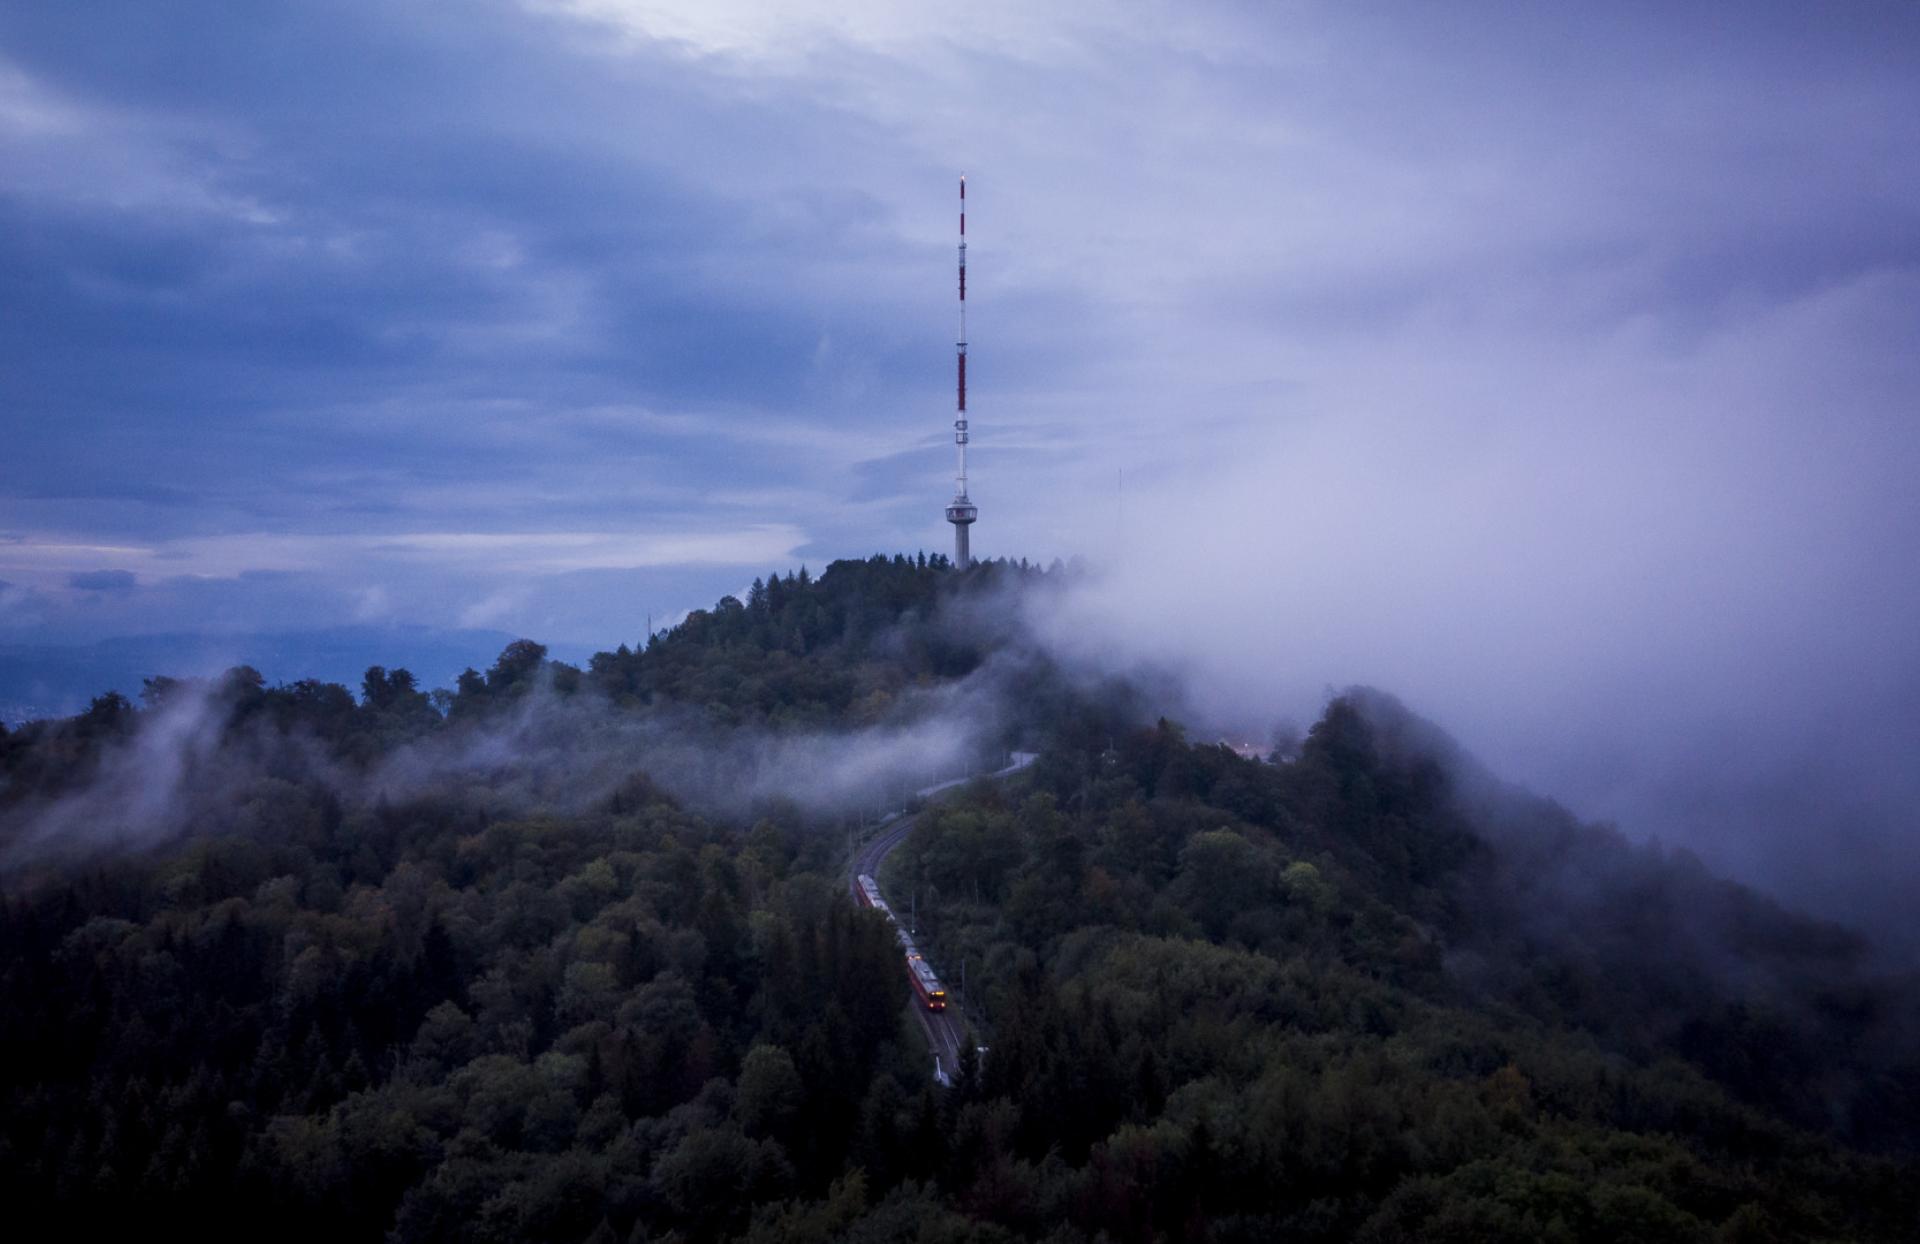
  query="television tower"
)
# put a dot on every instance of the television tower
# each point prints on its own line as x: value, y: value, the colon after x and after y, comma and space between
x: 961, y: 512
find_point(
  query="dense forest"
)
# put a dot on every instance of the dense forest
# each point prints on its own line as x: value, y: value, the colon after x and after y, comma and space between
x: 497, y: 962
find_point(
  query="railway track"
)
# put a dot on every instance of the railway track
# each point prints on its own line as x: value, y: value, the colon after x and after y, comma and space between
x: 945, y: 1030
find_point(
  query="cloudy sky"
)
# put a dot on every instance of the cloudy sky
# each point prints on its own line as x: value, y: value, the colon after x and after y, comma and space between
x: 1553, y: 366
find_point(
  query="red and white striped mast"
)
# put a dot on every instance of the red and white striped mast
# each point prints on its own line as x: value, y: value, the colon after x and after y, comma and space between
x: 961, y: 512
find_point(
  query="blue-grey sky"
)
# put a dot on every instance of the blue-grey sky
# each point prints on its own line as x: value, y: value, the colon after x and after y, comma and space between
x: 1551, y: 365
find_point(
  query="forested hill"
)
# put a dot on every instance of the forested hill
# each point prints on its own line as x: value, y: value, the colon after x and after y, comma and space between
x: 370, y: 975
x: 729, y: 707
x: 799, y: 649
x: 838, y: 648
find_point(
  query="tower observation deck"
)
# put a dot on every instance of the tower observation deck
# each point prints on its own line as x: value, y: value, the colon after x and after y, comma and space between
x: 961, y: 511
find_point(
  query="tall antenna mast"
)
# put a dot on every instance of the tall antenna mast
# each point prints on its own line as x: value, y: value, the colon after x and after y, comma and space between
x: 961, y: 512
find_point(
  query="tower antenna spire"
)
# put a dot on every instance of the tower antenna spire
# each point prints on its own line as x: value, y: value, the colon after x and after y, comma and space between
x: 961, y: 511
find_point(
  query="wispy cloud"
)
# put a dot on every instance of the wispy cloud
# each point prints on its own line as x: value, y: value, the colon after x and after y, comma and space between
x: 536, y: 552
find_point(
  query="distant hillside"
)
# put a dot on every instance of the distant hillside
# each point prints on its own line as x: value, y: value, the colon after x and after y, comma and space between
x: 54, y: 680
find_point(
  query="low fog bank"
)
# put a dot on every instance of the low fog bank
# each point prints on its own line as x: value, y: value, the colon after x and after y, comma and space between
x: 1646, y: 945
x: 1805, y: 788
x: 1595, y: 896
x: 1664, y: 583
x: 576, y: 752
x: 190, y: 764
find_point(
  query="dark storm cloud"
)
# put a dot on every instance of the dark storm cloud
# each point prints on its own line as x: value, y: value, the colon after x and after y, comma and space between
x: 440, y: 221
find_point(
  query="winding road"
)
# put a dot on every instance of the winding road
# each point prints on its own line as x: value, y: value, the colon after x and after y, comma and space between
x: 946, y: 1030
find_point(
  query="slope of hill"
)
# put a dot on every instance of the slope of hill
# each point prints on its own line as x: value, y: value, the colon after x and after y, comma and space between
x: 506, y: 963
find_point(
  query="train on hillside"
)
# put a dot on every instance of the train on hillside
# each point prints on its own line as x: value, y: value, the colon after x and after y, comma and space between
x: 926, y: 985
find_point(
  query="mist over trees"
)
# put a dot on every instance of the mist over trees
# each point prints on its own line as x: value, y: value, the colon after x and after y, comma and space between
x: 547, y: 956
x: 845, y: 691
